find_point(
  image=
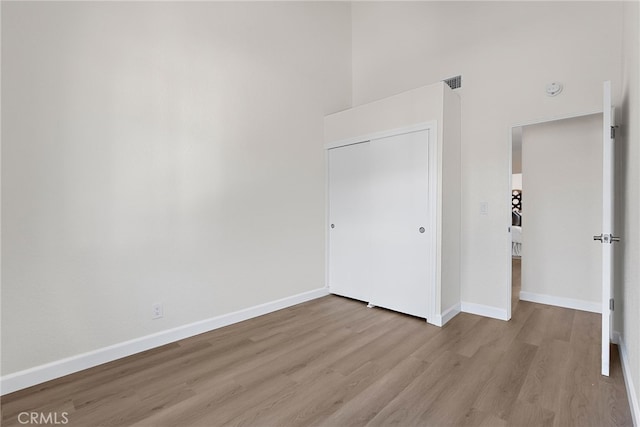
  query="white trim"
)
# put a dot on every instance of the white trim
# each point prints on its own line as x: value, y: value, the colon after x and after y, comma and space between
x: 484, y: 310
x: 327, y: 219
x: 616, y: 337
x: 634, y: 404
x: 59, y: 368
x: 509, y: 211
x: 432, y: 253
x: 557, y: 118
x: 576, y: 304
x: 382, y: 134
x: 448, y: 314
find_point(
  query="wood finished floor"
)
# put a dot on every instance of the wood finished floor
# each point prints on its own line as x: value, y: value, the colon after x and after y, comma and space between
x: 334, y: 362
x: 516, y: 283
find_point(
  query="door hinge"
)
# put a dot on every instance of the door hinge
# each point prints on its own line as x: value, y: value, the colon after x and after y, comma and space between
x: 611, y: 304
x: 613, y: 132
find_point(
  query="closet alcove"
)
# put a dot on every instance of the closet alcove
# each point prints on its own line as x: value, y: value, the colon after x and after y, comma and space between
x: 393, y: 229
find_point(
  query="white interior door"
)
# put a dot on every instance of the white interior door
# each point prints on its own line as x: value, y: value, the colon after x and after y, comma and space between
x: 400, y: 226
x: 349, y: 213
x: 606, y: 237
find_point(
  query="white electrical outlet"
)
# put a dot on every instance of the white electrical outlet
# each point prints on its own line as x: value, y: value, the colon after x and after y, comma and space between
x: 156, y: 310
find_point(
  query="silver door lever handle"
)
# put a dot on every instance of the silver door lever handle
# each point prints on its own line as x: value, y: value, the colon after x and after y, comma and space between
x: 606, y: 238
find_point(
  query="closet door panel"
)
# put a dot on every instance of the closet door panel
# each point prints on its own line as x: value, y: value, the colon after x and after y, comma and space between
x: 399, y: 209
x: 349, y: 213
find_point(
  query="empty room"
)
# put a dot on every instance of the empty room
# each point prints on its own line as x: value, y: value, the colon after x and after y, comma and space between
x: 320, y: 213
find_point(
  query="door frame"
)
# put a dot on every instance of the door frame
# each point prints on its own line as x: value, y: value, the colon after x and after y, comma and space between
x: 508, y: 286
x: 434, y: 314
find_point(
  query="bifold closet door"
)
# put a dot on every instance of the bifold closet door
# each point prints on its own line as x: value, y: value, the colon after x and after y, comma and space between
x: 400, y: 227
x: 349, y: 212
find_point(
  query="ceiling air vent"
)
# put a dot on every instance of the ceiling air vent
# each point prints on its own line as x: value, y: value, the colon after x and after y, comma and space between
x: 454, y: 82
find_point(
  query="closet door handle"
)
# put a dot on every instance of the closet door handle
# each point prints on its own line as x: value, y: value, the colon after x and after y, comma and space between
x: 421, y: 229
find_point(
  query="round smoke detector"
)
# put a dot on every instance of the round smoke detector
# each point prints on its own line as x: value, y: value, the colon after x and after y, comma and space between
x: 554, y: 88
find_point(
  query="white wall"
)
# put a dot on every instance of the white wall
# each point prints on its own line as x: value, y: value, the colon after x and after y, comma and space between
x: 141, y: 147
x: 506, y: 53
x: 627, y: 276
x: 160, y: 152
x: 562, y: 182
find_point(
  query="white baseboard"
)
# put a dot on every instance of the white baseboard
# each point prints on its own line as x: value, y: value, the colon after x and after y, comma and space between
x: 59, y: 368
x: 634, y: 404
x: 484, y: 310
x: 576, y: 304
x: 616, y: 337
x: 448, y: 314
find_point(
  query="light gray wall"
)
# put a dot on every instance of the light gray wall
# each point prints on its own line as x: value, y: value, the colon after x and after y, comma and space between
x: 562, y: 182
x: 506, y: 52
x: 627, y: 275
x: 140, y: 140
x: 160, y: 152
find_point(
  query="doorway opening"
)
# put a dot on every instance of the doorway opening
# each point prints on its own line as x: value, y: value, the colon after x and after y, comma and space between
x: 555, y: 197
x: 516, y: 215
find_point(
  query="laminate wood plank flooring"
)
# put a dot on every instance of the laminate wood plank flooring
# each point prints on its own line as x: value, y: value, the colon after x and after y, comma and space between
x: 516, y: 283
x: 334, y: 362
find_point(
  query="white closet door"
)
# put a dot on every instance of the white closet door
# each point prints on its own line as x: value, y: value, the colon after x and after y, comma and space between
x: 400, y: 226
x: 349, y: 213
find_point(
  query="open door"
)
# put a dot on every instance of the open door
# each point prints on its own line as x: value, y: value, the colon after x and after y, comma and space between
x: 606, y: 238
